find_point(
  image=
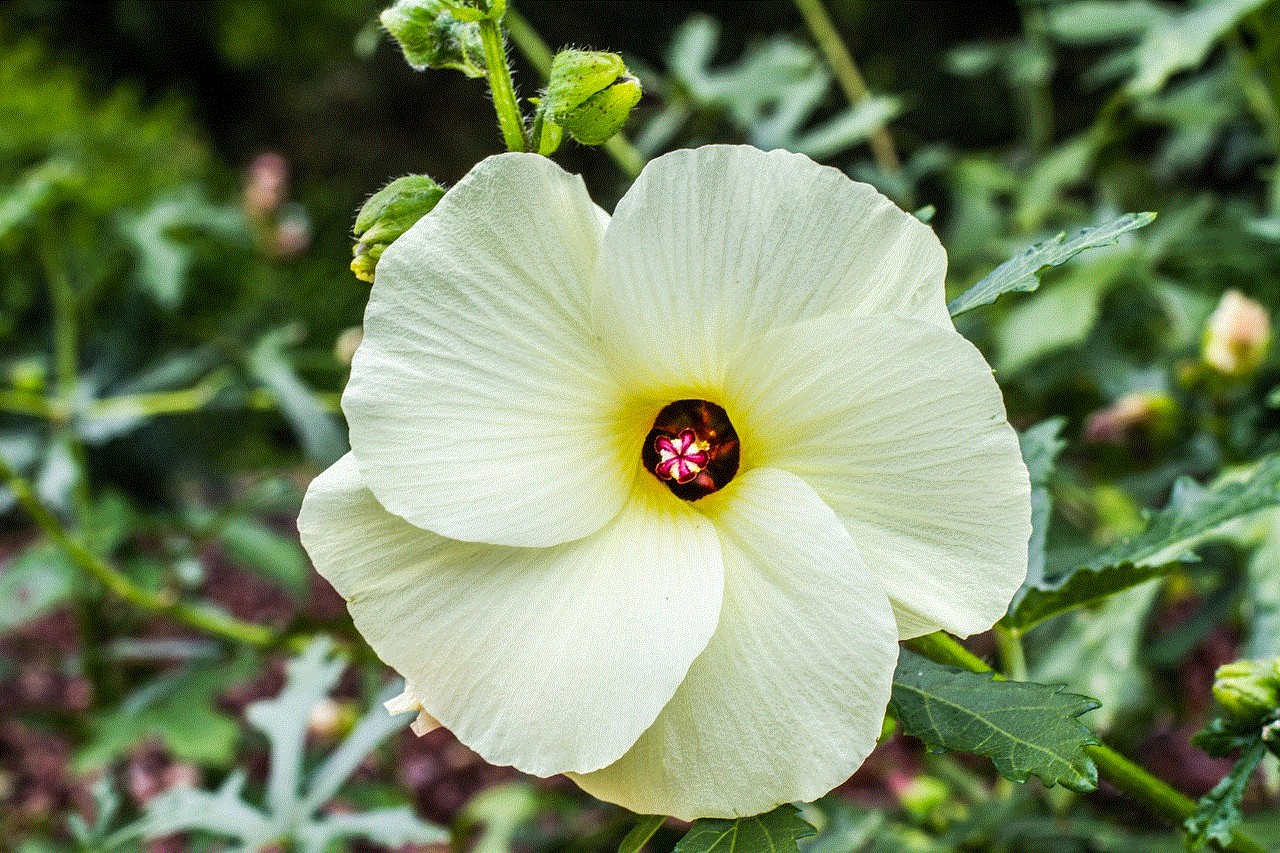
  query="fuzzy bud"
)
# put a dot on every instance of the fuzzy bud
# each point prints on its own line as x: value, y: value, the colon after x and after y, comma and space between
x: 437, y: 34
x: 591, y: 94
x: 1247, y: 689
x: 386, y: 215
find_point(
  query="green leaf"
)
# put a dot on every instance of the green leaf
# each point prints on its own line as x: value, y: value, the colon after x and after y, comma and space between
x: 1099, y: 655
x: 1182, y: 41
x: 773, y: 832
x: 158, y: 238
x: 773, y: 94
x: 391, y: 827
x: 845, y: 826
x: 315, y: 427
x: 1218, y: 813
x: 498, y: 814
x: 37, y: 189
x: 1059, y: 316
x: 256, y: 547
x: 1094, y: 21
x: 1040, y: 446
x: 39, y: 580
x: 293, y: 801
x: 1020, y: 273
x: 1193, y: 516
x: 1026, y: 729
x: 178, y: 709
x: 848, y: 128
x: 1223, y: 736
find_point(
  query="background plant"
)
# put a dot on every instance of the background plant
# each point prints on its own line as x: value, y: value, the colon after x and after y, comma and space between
x: 177, y: 189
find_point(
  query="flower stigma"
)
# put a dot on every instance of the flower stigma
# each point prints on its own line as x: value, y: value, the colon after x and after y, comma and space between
x: 693, y: 448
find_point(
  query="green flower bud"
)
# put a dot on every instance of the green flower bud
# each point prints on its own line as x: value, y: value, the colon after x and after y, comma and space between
x: 591, y: 94
x: 437, y: 34
x: 386, y: 215
x: 1247, y: 689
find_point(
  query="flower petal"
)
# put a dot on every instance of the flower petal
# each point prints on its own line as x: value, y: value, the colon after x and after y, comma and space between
x: 714, y: 246
x: 901, y: 429
x: 549, y: 659
x: 789, y: 696
x: 478, y: 403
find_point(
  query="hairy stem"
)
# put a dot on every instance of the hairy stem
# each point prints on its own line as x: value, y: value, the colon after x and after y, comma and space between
x: 208, y: 620
x: 504, y: 93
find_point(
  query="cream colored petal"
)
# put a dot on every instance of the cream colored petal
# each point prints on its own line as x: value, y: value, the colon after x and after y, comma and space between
x: 901, y: 429
x: 548, y: 659
x: 404, y: 703
x: 715, y: 246
x: 789, y: 696
x: 478, y: 403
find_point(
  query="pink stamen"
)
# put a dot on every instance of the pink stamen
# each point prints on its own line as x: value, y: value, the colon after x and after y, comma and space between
x: 680, y: 460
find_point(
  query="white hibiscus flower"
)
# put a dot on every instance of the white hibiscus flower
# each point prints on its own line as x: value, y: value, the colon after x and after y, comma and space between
x: 649, y: 499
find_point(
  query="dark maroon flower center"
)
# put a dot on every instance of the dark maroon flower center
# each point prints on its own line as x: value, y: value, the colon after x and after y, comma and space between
x: 692, y: 448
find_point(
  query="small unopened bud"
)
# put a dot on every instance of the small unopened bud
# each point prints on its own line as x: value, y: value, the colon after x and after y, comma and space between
x: 590, y: 95
x: 386, y: 215
x: 1237, y: 335
x: 1153, y: 414
x: 432, y: 34
x: 1247, y: 689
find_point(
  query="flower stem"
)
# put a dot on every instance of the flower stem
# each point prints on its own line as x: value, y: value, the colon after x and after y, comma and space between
x: 1009, y: 646
x: 26, y: 403
x: 204, y: 619
x: 841, y: 64
x: 1114, y: 767
x: 504, y: 93
x: 641, y: 833
x: 527, y: 40
x: 66, y: 332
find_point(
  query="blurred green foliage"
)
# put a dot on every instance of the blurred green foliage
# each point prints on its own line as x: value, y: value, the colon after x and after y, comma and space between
x: 177, y: 188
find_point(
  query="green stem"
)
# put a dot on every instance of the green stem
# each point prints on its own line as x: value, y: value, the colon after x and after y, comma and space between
x: 147, y: 405
x: 1013, y: 662
x: 207, y: 620
x: 641, y: 833
x: 34, y: 405
x: 842, y: 66
x: 504, y: 93
x: 66, y: 331
x: 529, y: 43
x: 1037, y: 100
x: 1114, y: 767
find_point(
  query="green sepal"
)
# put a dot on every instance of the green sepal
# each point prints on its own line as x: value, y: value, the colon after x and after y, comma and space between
x: 437, y: 34
x: 576, y: 75
x: 386, y: 215
x: 546, y: 135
